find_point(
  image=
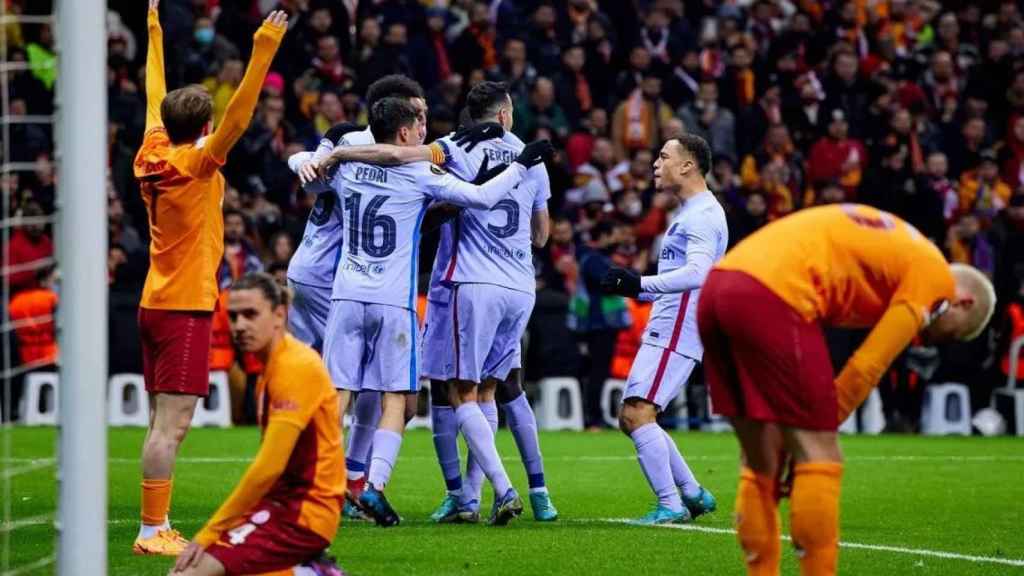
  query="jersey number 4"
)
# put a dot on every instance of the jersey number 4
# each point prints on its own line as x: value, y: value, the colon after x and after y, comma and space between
x: 362, y: 228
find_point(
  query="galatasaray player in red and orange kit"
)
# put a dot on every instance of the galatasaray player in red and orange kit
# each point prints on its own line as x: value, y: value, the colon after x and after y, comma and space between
x: 285, y: 510
x: 760, y: 317
x: 178, y: 170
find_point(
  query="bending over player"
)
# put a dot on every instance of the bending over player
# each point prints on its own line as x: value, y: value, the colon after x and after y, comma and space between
x: 183, y: 189
x: 372, y: 328
x: 761, y: 315
x: 284, y: 512
x: 696, y: 238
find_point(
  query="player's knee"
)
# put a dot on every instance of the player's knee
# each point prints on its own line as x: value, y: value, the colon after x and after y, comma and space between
x: 465, y: 390
x: 635, y: 413
x: 439, y: 393
x: 509, y: 389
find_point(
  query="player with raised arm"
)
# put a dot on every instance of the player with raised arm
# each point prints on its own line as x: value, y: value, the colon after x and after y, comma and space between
x: 761, y: 316
x: 284, y: 512
x: 696, y: 238
x: 372, y: 328
x: 182, y: 187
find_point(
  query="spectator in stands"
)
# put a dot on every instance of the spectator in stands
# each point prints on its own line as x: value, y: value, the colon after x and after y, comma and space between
x: 518, y: 71
x: 837, y: 157
x: 33, y: 311
x: 222, y: 86
x: 982, y: 192
x: 968, y: 243
x: 30, y: 249
x: 1012, y: 154
x: 542, y: 111
x: 574, y: 93
x: 603, y: 168
x: 240, y: 258
x: 705, y: 118
x: 637, y: 122
x: 477, y: 45
x: 544, y: 44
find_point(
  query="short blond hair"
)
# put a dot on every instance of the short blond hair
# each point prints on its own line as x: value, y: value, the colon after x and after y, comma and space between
x: 972, y: 280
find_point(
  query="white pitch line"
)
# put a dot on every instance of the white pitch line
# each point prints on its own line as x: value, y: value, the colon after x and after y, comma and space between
x: 853, y: 545
x: 28, y: 568
x: 48, y: 519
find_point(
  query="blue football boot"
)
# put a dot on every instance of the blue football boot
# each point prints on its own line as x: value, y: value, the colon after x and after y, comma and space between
x: 448, y: 511
x: 543, y: 509
x: 662, y: 515
x: 701, y: 504
x: 378, y: 507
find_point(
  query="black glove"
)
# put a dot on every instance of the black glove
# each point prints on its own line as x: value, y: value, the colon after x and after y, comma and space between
x: 468, y: 138
x: 535, y: 152
x: 621, y: 281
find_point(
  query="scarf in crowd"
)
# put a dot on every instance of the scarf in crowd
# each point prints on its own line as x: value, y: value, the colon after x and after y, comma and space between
x: 583, y: 95
x: 485, y: 39
x: 638, y: 121
x: 745, y: 87
x: 444, y: 67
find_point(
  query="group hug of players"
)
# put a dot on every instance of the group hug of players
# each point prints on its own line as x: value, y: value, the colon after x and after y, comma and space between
x: 346, y: 330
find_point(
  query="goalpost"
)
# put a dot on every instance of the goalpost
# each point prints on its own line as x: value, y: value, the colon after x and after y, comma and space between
x: 81, y: 141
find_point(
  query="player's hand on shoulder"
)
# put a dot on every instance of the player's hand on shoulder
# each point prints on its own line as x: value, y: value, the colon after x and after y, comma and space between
x: 535, y: 152
x: 622, y: 282
x: 308, y: 173
x: 326, y: 165
x: 468, y: 138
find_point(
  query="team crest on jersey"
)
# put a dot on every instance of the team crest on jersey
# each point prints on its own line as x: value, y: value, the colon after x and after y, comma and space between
x: 437, y: 170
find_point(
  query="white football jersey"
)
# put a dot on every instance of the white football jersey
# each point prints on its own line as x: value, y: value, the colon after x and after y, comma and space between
x: 492, y: 245
x: 383, y: 209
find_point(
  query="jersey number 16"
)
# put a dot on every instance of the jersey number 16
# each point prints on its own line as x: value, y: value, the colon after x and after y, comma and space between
x: 363, y: 229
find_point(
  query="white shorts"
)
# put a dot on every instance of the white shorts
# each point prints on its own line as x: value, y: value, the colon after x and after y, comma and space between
x: 372, y: 347
x: 658, y: 375
x: 307, y: 315
x: 488, y: 322
x: 436, y: 342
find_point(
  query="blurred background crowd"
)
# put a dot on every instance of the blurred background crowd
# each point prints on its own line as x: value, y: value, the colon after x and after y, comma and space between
x: 913, y: 106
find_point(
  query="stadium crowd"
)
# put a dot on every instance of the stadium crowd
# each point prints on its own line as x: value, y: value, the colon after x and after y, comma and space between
x: 913, y: 106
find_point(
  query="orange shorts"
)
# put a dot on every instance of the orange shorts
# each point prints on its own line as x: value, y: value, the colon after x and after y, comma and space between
x: 762, y: 359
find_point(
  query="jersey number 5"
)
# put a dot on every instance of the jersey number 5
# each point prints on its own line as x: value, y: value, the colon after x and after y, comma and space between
x: 511, y: 210
x: 363, y: 229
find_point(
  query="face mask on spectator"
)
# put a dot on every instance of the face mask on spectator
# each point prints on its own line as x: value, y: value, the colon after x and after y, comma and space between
x: 204, y: 36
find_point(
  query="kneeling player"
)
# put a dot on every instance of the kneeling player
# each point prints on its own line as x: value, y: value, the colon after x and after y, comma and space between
x: 695, y: 240
x: 761, y: 315
x: 284, y: 512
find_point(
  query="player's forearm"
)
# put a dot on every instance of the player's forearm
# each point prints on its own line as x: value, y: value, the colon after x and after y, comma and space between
x: 540, y: 228
x: 323, y: 150
x: 487, y: 195
x: 239, y: 110
x: 863, y: 370
x: 382, y: 154
x: 688, y: 277
x: 259, y: 478
x: 156, y: 87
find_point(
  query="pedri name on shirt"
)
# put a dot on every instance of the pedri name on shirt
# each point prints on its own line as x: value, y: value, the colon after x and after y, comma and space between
x: 371, y: 174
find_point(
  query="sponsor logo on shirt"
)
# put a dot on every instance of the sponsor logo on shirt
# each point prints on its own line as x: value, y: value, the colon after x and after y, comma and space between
x: 284, y: 405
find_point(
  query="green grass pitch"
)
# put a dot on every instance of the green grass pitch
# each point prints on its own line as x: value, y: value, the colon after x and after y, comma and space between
x: 921, y: 496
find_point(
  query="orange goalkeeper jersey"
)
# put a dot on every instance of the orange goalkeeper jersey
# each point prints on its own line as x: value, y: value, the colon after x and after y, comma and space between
x: 183, y: 188
x: 845, y: 265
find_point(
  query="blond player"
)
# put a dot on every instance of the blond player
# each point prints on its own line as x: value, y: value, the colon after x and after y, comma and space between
x: 760, y: 317
x: 183, y: 189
